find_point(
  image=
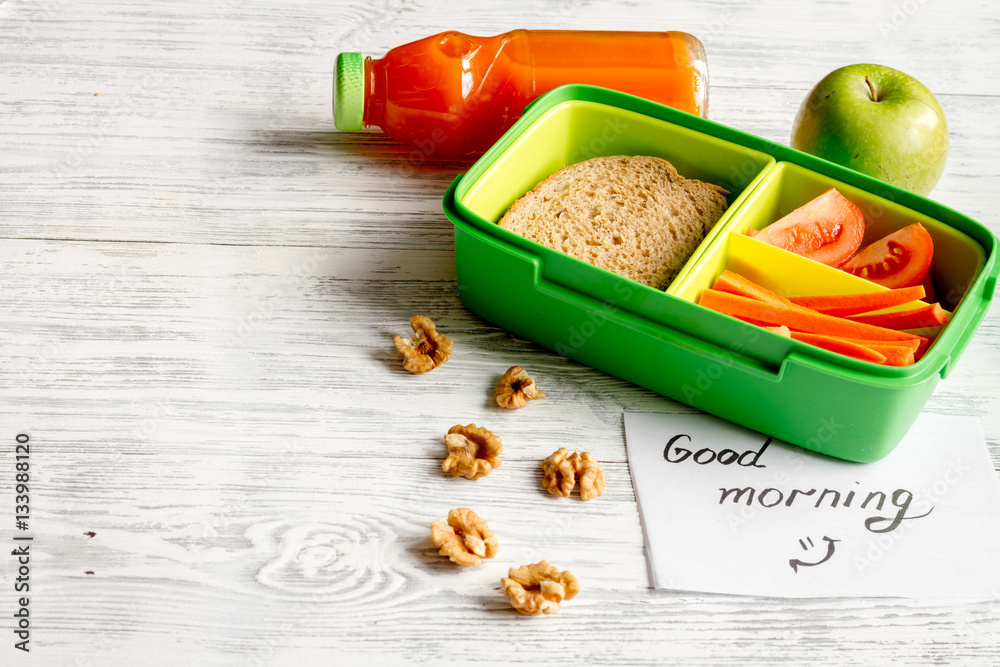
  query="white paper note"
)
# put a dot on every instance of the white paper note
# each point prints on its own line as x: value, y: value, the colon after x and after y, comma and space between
x: 726, y: 510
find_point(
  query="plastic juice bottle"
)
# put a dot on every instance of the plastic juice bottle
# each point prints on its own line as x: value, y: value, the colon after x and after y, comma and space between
x: 455, y: 94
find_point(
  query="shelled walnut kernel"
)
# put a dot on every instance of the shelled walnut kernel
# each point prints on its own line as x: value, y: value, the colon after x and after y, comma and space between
x: 465, y: 538
x: 516, y: 388
x: 538, y: 588
x: 426, y: 349
x: 563, y: 470
x: 473, y: 452
x: 560, y: 476
x: 590, y: 474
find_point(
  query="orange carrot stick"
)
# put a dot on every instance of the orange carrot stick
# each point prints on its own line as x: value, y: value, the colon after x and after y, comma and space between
x: 855, y: 304
x: 734, y: 283
x: 911, y: 345
x: 897, y: 352
x: 750, y: 320
x: 931, y: 315
x: 781, y: 331
x: 917, y: 345
x: 895, y: 355
x: 795, y: 317
x: 841, y: 346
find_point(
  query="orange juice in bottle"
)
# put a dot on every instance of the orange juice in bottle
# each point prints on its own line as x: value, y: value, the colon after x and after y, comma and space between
x: 455, y: 94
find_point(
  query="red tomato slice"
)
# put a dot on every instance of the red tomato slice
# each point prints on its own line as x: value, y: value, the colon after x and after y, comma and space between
x: 900, y: 259
x: 828, y: 230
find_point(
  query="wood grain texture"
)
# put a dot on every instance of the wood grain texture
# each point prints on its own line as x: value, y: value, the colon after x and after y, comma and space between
x: 200, y: 281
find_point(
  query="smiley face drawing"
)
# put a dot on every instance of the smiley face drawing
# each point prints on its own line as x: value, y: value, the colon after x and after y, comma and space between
x: 830, y: 547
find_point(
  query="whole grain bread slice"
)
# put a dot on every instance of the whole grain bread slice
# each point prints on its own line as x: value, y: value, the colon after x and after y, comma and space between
x: 634, y: 215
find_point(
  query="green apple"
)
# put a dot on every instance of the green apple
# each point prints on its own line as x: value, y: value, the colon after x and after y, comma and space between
x: 878, y: 121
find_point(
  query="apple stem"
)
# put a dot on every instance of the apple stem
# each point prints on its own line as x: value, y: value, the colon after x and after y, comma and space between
x: 871, y: 87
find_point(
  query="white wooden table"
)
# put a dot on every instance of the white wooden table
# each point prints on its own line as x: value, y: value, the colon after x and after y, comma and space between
x: 199, y: 281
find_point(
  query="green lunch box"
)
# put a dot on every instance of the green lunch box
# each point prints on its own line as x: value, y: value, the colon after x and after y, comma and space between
x: 664, y: 341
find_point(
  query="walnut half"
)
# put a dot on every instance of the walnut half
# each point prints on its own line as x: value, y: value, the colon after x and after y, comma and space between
x: 562, y: 470
x: 516, y: 388
x: 426, y: 349
x: 538, y: 588
x: 465, y: 539
x: 590, y: 474
x: 473, y: 452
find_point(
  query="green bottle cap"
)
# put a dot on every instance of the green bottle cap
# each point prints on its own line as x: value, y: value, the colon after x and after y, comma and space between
x: 349, y: 91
